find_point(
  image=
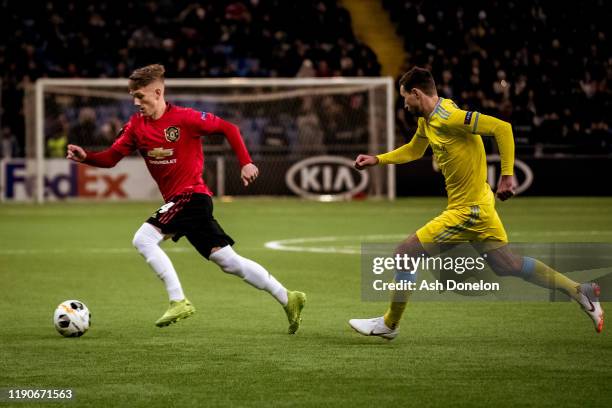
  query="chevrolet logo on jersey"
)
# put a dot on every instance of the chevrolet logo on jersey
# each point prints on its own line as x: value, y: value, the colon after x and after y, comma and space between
x: 160, y: 153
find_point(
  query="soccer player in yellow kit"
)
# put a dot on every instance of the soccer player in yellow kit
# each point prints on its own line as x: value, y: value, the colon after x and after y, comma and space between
x: 455, y: 138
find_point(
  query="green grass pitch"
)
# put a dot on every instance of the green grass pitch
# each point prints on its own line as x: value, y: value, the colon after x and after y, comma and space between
x: 234, y: 350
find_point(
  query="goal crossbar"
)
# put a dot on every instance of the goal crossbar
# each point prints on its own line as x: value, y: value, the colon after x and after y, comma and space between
x: 43, y: 85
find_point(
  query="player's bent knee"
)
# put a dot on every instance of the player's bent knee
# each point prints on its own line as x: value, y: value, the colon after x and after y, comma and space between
x: 228, y: 260
x: 146, y: 236
x: 137, y: 241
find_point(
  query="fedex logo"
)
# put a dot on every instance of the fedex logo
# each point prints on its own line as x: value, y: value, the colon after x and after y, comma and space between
x: 62, y: 180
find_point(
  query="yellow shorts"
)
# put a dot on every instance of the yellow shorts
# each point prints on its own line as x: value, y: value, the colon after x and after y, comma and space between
x: 476, y: 223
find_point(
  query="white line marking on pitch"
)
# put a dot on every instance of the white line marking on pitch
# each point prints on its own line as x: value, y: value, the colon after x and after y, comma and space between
x: 288, y: 244
x: 328, y: 247
x: 94, y: 251
x: 296, y: 244
x: 61, y: 251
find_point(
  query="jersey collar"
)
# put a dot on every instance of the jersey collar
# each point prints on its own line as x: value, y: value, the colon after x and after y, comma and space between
x: 168, y: 107
x: 435, y: 109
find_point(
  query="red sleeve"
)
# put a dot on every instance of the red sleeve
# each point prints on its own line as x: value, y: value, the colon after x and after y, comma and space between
x: 106, y: 158
x: 126, y: 140
x: 122, y: 146
x: 204, y: 123
x: 233, y: 136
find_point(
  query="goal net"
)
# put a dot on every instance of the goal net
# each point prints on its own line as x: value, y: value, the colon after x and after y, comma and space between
x: 302, y: 133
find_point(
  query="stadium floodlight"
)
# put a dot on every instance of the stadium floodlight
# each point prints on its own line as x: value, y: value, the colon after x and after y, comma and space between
x: 284, y: 121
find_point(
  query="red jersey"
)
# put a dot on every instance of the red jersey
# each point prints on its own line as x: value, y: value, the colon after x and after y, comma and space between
x: 172, y: 148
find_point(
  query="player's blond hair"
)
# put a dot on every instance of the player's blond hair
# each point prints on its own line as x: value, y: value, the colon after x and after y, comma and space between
x: 142, y: 77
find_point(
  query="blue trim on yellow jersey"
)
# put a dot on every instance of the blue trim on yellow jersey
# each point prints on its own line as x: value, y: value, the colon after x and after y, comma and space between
x: 443, y: 115
x: 442, y: 110
x: 476, y: 122
x: 433, y: 112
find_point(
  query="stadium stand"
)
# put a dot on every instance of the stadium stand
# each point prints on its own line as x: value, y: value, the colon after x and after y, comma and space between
x: 256, y: 38
x: 550, y: 82
x: 544, y: 66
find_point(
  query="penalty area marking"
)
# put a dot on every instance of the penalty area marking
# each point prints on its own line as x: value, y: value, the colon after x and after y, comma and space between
x: 296, y: 244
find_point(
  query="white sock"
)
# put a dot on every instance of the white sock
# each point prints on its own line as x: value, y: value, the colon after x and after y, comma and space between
x: 146, y: 240
x: 251, y: 272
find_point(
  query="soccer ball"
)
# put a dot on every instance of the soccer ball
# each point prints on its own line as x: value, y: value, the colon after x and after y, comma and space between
x: 72, y: 318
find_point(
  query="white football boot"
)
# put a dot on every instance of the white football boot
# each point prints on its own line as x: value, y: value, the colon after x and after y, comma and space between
x: 373, y: 327
x: 589, y: 302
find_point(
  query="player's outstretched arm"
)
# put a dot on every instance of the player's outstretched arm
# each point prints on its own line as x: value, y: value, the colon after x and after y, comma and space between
x: 106, y: 158
x: 404, y: 154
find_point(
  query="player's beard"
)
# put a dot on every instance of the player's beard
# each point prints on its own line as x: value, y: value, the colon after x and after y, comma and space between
x: 414, y: 110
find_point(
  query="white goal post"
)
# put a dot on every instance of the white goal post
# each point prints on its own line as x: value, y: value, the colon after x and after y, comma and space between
x: 284, y: 121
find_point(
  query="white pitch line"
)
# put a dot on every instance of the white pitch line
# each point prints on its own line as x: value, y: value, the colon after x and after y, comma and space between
x: 60, y: 251
x: 289, y: 245
x: 103, y: 251
x: 562, y: 233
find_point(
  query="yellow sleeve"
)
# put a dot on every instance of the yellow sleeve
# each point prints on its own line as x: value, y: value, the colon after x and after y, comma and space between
x: 485, y: 125
x: 406, y: 153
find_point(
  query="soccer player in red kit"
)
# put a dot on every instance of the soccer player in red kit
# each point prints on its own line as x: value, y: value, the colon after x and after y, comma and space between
x: 168, y: 138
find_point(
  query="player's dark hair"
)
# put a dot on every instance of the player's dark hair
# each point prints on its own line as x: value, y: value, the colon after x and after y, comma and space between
x: 419, y: 78
x: 142, y: 77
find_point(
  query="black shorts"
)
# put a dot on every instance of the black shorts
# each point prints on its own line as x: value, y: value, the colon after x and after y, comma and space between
x: 191, y: 215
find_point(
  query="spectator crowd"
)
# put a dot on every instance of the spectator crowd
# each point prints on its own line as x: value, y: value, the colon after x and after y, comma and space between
x: 200, y: 39
x: 543, y: 65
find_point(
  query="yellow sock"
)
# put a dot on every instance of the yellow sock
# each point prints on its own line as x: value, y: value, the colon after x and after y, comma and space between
x: 394, y: 314
x: 399, y: 298
x: 543, y: 275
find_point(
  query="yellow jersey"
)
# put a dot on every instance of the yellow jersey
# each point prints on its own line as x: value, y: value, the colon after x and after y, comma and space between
x: 455, y: 138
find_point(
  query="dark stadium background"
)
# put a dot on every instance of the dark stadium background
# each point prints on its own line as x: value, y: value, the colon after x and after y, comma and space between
x: 544, y: 66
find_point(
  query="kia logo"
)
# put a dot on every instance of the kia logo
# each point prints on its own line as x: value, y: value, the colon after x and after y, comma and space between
x: 326, y: 178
